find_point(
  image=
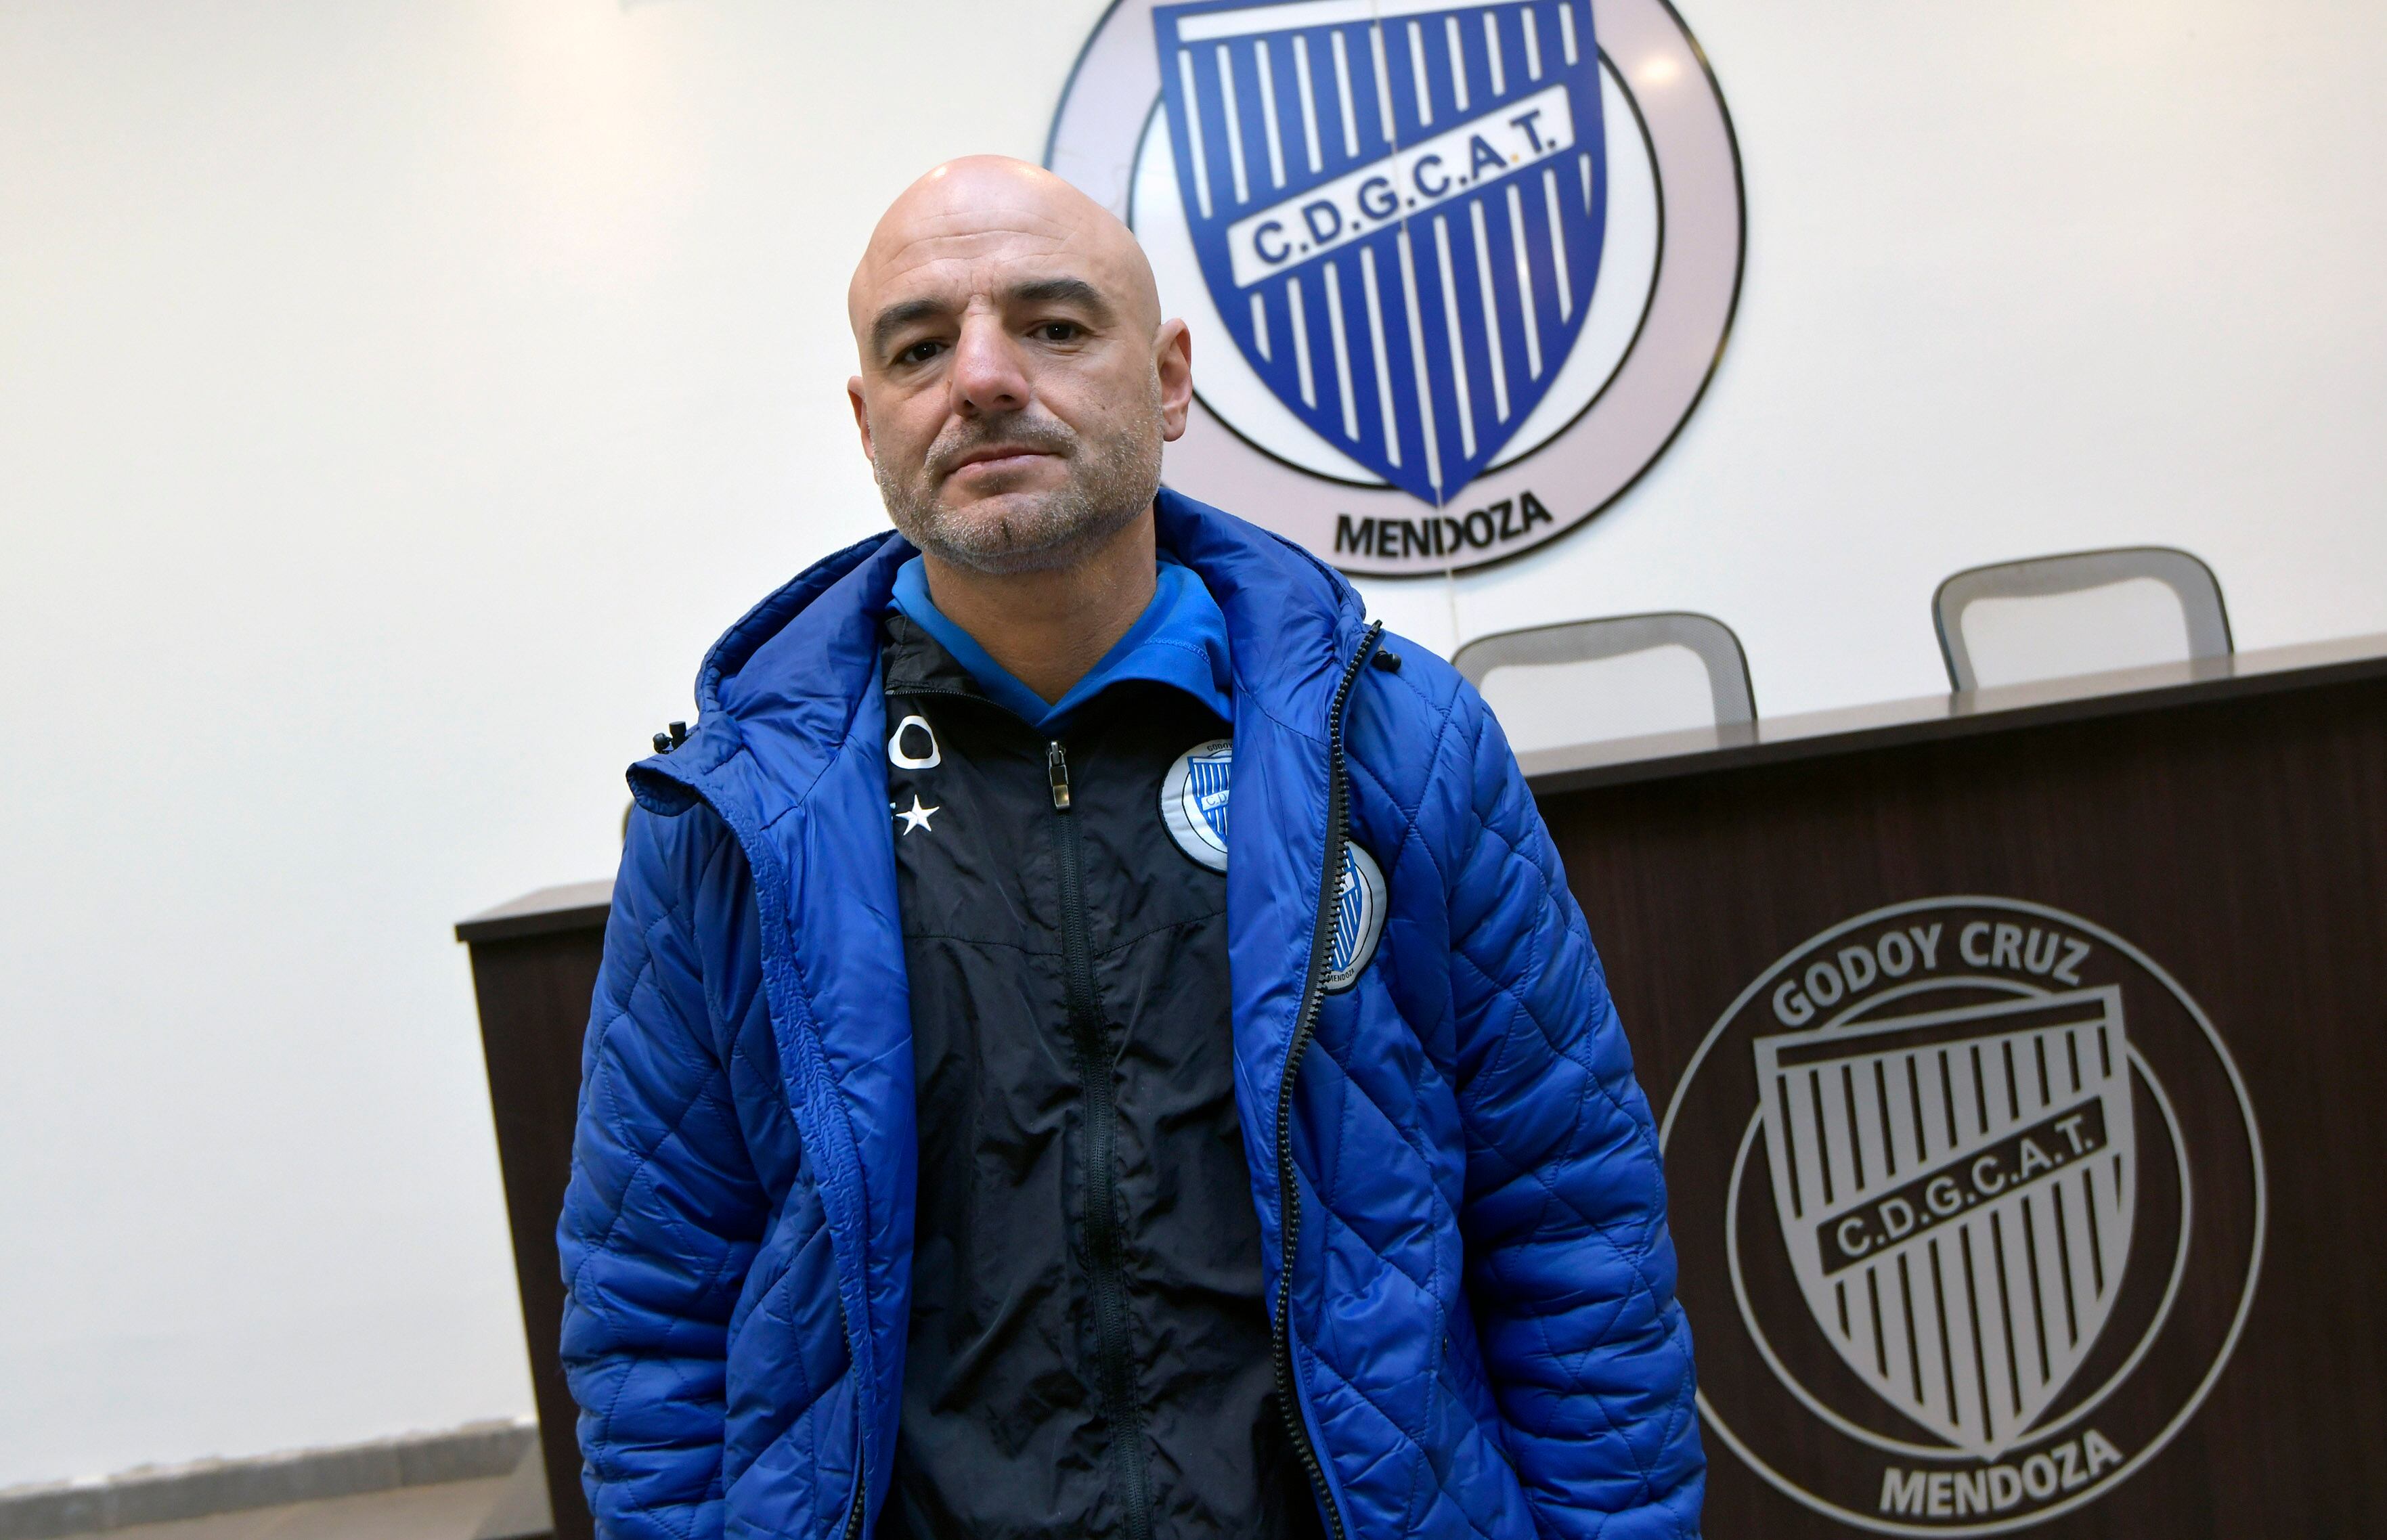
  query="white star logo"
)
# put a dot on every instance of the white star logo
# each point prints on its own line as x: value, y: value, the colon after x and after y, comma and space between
x: 915, y: 816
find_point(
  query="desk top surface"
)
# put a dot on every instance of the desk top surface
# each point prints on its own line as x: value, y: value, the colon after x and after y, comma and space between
x: 1808, y: 735
x: 1964, y: 713
x: 571, y: 906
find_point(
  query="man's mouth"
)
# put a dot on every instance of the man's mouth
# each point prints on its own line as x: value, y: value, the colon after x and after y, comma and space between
x: 996, y: 459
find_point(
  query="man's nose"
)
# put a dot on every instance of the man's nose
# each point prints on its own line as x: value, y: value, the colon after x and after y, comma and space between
x: 988, y: 374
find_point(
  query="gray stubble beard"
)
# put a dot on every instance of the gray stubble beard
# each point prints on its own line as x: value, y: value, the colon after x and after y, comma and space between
x: 1112, y: 481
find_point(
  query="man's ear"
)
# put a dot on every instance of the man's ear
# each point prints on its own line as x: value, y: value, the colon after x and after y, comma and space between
x: 861, y: 416
x: 1173, y: 359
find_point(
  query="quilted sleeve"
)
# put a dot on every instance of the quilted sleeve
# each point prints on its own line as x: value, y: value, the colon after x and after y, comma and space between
x: 664, y: 1211
x: 1571, y: 1272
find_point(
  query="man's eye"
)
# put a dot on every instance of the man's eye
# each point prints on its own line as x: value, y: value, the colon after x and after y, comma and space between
x: 920, y: 352
x: 1059, y: 331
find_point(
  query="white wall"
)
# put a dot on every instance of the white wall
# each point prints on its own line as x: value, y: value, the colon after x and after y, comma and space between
x: 396, y: 398
x: 2025, y: 277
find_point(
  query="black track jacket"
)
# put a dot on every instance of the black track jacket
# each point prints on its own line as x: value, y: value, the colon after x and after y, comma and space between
x: 1089, y: 1353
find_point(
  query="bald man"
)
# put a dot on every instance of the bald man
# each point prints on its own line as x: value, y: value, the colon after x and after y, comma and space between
x: 968, y: 1148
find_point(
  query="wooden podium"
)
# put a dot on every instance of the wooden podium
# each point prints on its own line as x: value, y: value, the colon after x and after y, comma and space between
x: 534, y: 969
x: 2019, y: 1055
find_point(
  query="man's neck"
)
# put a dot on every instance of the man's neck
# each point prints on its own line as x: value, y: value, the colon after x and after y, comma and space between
x: 1050, y: 627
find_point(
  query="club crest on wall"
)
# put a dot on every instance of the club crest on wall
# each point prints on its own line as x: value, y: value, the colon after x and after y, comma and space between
x: 1457, y: 274
x: 1375, y: 195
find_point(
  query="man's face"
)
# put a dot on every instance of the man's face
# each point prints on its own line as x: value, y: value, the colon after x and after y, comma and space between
x: 1012, y: 397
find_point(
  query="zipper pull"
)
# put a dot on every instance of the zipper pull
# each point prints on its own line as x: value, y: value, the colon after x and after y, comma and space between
x: 1056, y: 766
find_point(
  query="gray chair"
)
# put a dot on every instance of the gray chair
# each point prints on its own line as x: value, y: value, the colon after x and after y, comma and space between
x: 2085, y: 612
x: 1554, y: 687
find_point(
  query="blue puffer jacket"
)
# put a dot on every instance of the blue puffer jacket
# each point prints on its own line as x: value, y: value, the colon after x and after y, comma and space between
x: 1481, y: 1315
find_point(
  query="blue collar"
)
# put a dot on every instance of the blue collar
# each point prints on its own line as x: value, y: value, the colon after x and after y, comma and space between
x: 1180, y: 639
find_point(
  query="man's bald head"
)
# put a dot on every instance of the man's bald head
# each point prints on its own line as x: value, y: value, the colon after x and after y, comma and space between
x: 984, y: 203
x: 1017, y: 380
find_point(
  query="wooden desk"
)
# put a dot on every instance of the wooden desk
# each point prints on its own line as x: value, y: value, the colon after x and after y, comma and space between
x: 2193, y: 859
x: 2183, y: 869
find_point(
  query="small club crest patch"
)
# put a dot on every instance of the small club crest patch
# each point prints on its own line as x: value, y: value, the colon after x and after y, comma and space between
x: 1193, y: 797
x: 1194, y: 801
x: 1359, y: 919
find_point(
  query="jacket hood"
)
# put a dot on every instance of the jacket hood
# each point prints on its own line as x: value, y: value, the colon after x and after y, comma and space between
x: 785, y: 682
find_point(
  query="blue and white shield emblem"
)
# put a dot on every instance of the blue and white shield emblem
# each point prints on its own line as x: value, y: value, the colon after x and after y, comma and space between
x: 1359, y: 919
x: 1398, y: 207
x: 1194, y: 801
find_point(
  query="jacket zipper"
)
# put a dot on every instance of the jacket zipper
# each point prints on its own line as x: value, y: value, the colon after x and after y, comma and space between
x: 861, y: 1466
x: 1115, y: 1371
x: 1313, y: 996
x: 860, y: 1491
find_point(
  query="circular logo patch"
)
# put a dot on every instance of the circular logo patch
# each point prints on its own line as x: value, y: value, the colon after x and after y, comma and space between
x: 1992, y: 1205
x: 1194, y: 801
x: 1359, y: 919
x: 1457, y: 274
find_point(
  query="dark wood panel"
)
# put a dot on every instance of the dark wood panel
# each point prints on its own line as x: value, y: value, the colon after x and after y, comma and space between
x: 533, y: 993
x: 2242, y: 845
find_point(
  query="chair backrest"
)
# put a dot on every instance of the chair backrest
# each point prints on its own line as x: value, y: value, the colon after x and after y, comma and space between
x: 1586, y: 681
x: 2081, y: 613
